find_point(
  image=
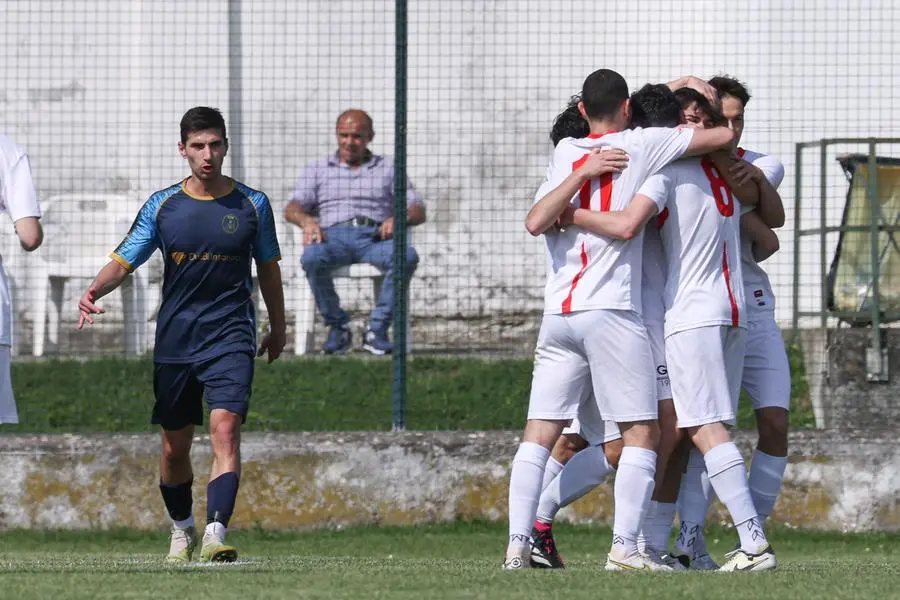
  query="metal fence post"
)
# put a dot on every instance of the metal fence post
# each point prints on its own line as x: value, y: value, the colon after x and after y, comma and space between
x: 876, y: 357
x: 400, y: 267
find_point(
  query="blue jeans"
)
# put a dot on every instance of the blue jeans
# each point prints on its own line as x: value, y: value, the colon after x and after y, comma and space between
x: 346, y: 245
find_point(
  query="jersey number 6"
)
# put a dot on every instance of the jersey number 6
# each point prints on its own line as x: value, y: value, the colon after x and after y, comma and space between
x: 720, y: 190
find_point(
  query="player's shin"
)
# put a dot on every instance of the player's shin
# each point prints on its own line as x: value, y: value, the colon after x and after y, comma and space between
x: 634, y: 486
x: 587, y: 469
x: 221, y: 494
x: 694, y: 499
x: 728, y: 478
x: 524, y: 491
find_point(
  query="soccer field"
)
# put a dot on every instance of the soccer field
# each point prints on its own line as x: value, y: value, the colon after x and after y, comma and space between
x: 434, y: 562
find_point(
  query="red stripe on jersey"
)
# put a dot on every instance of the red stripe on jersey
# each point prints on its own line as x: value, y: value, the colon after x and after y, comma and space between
x: 735, y: 313
x: 741, y: 152
x: 584, y: 193
x: 661, y: 218
x: 567, y: 303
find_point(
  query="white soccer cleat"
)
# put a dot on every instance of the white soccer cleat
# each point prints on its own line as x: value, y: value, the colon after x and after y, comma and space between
x: 618, y: 561
x: 660, y: 560
x: 517, y: 558
x: 741, y: 560
x: 182, y: 545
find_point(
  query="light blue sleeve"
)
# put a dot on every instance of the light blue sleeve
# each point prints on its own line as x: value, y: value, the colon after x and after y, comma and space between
x: 265, y: 246
x: 142, y: 239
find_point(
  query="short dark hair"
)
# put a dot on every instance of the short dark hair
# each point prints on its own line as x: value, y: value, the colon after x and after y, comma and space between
x: 729, y: 86
x: 569, y: 123
x: 688, y: 96
x: 655, y: 105
x: 201, y: 118
x: 603, y: 93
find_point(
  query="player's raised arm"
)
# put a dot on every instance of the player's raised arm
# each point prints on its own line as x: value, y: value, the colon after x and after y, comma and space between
x: 548, y: 209
x: 705, y: 141
x: 764, y: 241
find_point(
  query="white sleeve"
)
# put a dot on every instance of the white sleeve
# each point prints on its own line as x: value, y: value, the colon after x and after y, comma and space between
x: 657, y: 188
x: 663, y: 145
x: 771, y: 168
x: 542, y: 191
x: 560, y: 168
x: 19, y: 195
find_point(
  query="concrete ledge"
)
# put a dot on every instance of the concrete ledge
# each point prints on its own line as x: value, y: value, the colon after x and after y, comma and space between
x: 835, y: 481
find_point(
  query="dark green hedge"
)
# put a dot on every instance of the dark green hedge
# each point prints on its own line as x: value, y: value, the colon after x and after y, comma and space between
x: 310, y: 394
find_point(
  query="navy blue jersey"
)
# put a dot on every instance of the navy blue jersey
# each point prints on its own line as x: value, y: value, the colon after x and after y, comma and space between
x: 207, y: 245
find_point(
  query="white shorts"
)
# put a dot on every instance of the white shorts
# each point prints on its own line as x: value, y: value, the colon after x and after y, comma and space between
x: 705, y: 367
x: 655, y: 331
x: 767, y: 374
x: 5, y: 310
x: 609, y: 348
x: 8, y: 413
x: 591, y: 426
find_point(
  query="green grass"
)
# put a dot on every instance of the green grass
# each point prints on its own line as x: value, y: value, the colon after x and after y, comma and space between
x: 434, y: 562
x: 313, y: 394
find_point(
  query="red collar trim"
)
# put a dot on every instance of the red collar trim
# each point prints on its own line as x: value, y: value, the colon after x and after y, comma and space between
x: 595, y: 136
x: 741, y: 152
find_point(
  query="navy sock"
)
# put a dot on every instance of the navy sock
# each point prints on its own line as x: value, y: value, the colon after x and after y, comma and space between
x: 220, y: 496
x: 178, y: 498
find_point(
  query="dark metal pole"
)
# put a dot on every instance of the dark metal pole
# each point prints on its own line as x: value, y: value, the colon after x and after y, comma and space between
x: 235, y: 84
x: 400, y: 267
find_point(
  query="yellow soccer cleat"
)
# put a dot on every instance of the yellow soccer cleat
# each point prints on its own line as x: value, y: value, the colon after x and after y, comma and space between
x: 213, y: 550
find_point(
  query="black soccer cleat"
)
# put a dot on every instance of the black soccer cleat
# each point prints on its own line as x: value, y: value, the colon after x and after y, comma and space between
x: 544, y: 554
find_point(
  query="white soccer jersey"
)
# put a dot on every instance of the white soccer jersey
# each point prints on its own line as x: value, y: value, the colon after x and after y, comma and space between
x: 757, y: 289
x: 586, y: 271
x: 701, y: 240
x: 653, y: 277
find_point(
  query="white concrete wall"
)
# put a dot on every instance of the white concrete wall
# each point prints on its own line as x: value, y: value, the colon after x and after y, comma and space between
x: 95, y: 89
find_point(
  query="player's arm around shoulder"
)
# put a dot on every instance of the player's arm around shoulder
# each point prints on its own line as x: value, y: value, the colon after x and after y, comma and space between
x: 764, y: 242
x: 551, y: 205
x: 629, y: 222
x: 619, y: 224
x: 705, y: 141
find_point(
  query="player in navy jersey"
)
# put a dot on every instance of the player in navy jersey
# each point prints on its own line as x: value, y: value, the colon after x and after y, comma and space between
x: 208, y: 228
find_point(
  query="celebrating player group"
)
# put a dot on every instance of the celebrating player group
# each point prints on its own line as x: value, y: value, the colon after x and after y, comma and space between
x: 656, y: 315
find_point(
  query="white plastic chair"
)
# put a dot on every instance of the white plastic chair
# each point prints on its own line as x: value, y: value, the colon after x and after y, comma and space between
x: 80, y: 230
x: 305, y: 304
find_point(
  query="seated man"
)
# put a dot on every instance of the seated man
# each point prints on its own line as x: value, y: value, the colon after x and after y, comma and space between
x: 353, y: 193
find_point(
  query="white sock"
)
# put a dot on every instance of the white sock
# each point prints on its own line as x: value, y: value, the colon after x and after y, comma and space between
x: 215, y: 530
x: 728, y: 477
x: 185, y: 524
x: 551, y: 471
x: 694, y: 498
x: 584, y: 472
x: 766, y: 475
x: 634, y: 486
x: 524, y: 491
x: 645, y: 535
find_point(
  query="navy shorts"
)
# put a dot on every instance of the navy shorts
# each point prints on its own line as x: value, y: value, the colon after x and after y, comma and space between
x: 225, y: 382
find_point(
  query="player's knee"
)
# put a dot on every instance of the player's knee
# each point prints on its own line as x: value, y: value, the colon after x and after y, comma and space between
x: 567, y: 446
x: 613, y: 452
x: 772, y: 424
x: 225, y: 432
x: 176, y: 445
